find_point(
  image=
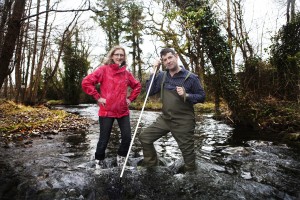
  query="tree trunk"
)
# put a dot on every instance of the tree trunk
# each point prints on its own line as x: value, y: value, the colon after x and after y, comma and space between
x: 241, y: 34
x: 4, y: 17
x: 38, y: 74
x: 230, y: 34
x: 18, y: 69
x: 290, y: 11
x: 13, y: 30
x: 288, y: 5
x: 139, y: 60
x: 293, y: 13
x: 29, y: 98
x: 133, y: 55
x: 26, y: 66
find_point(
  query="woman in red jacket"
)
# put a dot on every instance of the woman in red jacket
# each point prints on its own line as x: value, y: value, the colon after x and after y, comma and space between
x: 113, y: 100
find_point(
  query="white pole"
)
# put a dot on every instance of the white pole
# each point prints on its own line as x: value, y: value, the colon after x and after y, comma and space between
x: 137, y: 125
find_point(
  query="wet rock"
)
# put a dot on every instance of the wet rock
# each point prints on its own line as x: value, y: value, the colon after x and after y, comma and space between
x: 246, y: 175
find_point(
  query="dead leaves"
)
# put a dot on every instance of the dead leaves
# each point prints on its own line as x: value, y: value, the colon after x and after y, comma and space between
x: 19, y: 122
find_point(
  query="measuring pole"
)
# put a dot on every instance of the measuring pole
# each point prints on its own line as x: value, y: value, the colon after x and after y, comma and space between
x: 137, y: 125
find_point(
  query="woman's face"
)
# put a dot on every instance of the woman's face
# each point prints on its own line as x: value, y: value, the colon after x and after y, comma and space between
x: 118, y: 56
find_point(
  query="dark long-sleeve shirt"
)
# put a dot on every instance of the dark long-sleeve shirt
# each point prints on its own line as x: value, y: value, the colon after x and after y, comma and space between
x: 191, y: 85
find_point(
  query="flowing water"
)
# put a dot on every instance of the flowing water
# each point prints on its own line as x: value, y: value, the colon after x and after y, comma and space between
x: 231, y: 164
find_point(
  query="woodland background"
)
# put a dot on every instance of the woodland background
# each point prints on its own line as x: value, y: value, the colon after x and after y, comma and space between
x: 42, y: 61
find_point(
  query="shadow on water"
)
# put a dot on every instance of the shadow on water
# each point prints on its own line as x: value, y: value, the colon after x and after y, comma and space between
x: 231, y: 164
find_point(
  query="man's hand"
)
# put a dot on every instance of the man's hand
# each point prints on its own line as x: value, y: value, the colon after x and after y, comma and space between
x: 156, y: 65
x: 101, y: 101
x: 180, y: 91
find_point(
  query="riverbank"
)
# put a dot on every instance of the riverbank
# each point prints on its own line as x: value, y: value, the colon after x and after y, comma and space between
x: 21, y: 123
x: 272, y: 118
x: 278, y: 120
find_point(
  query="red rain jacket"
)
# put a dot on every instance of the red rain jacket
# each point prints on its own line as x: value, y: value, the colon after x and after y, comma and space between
x: 114, y: 82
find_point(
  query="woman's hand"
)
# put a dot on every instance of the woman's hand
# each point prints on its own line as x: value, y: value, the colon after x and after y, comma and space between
x: 128, y: 102
x: 101, y: 101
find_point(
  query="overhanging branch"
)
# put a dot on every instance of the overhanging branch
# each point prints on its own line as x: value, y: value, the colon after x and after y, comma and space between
x: 61, y: 11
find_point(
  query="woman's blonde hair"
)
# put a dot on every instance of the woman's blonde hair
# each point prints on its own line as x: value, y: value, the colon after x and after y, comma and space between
x: 108, y: 60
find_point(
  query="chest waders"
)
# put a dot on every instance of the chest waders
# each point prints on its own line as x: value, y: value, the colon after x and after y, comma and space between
x: 175, y: 107
x: 178, y: 118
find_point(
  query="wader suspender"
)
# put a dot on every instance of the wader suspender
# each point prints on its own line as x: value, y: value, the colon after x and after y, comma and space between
x: 163, y: 81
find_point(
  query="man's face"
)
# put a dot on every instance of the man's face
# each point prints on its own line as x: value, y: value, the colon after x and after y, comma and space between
x: 170, y: 60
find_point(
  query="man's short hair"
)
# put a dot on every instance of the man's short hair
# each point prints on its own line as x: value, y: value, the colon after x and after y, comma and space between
x: 167, y: 50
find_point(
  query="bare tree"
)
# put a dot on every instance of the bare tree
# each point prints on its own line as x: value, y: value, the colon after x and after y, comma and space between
x: 34, y: 54
x: 38, y: 74
x: 49, y: 76
x: 242, y: 38
x: 24, y: 49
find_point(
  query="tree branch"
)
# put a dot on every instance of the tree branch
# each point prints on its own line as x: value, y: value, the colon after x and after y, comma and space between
x: 61, y: 11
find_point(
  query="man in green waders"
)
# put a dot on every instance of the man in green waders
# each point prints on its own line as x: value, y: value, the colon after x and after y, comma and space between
x: 180, y: 90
